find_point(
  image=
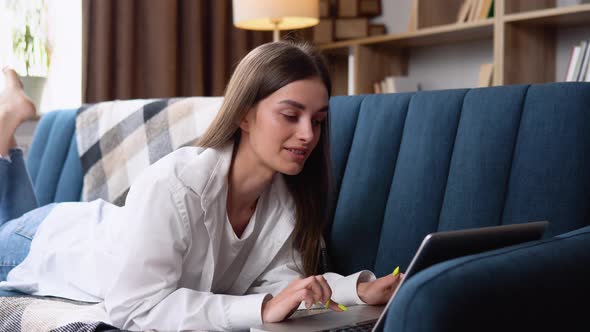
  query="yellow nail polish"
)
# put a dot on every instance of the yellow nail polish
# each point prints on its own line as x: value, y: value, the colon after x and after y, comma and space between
x: 342, y: 307
x: 396, y: 271
x: 327, y: 304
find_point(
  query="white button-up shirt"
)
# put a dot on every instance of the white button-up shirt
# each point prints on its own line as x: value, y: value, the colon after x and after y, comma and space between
x: 155, y: 263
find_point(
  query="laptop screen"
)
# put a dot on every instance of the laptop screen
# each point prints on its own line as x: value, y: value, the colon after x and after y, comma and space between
x: 441, y: 246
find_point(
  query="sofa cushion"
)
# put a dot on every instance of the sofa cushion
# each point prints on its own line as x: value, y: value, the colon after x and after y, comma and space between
x: 531, y: 286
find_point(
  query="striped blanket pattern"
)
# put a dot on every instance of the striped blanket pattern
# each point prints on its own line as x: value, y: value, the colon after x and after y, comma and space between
x: 119, y: 139
x: 42, y: 314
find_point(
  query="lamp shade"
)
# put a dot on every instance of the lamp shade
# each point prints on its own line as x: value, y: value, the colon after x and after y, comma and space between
x: 273, y: 14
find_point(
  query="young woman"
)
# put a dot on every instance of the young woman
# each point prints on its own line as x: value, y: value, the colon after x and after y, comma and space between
x: 222, y: 236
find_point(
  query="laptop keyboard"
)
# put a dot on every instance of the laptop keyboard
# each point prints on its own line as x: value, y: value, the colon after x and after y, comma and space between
x: 361, y: 327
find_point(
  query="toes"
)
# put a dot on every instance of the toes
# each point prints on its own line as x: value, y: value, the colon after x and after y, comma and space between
x: 12, y: 79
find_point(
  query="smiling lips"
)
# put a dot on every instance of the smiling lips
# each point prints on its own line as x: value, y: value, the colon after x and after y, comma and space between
x: 297, y: 153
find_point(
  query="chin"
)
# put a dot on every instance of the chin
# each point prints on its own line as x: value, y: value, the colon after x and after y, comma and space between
x: 291, y: 170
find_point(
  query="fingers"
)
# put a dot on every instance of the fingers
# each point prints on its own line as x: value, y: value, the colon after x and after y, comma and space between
x: 319, y: 286
x: 387, y: 281
x: 326, y: 290
x: 327, y: 295
x: 317, y: 290
x: 309, y: 299
x: 336, y: 306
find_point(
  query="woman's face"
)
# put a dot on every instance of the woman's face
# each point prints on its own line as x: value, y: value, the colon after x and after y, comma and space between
x: 283, y: 129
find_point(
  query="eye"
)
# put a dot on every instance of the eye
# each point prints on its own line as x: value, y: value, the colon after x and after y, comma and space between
x: 290, y: 118
x: 318, y: 121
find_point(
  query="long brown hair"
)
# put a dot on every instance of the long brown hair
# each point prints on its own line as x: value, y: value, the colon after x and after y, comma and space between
x: 260, y: 73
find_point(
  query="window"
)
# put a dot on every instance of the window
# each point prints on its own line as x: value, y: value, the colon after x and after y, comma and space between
x: 59, y: 22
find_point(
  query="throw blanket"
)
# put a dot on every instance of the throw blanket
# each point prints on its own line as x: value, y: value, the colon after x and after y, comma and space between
x: 119, y: 139
x: 41, y: 314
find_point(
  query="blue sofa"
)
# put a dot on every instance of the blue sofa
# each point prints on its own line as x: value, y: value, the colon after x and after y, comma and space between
x: 409, y: 164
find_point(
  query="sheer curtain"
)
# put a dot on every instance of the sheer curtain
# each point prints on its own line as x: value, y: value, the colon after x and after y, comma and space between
x: 156, y: 49
x: 63, y: 88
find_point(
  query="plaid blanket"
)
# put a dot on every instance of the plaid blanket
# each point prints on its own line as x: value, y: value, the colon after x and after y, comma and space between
x: 118, y: 139
x: 42, y: 314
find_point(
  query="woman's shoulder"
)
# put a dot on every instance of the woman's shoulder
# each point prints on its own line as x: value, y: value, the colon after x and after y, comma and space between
x: 173, y: 163
x: 192, y: 166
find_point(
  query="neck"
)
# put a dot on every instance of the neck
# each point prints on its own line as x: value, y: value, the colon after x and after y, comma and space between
x: 247, y: 180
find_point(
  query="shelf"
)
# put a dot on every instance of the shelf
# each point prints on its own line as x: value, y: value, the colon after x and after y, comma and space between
x: 564, y: 16
x: 440, y: 35
x: 523, y: 34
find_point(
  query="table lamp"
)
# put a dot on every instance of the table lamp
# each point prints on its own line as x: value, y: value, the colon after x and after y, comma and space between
x: 275, y: 15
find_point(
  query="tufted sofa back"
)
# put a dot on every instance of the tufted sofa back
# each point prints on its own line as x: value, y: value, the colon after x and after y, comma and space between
x: 410, y: 164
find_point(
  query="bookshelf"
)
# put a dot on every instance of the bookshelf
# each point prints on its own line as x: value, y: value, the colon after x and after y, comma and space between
x: 522, y: 32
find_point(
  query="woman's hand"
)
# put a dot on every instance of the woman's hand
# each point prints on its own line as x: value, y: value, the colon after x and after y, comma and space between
x: 312, y: 290
x: 378, y: 292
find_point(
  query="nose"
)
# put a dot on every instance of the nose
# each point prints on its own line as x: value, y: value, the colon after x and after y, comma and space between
x: 305, y: 130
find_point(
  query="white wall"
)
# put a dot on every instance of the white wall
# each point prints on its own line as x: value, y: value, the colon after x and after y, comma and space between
x: 457, y: 65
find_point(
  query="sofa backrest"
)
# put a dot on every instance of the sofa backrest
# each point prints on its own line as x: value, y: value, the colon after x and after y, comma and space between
x: 53, y: 161
x: 409, y: 164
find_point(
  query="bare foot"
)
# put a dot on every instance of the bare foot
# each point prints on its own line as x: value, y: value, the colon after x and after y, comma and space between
x: 15, y: 106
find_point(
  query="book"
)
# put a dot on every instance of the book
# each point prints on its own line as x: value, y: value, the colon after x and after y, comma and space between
x: 486, y: 73
x: 584, y: 62
x: 413, y: 22
x: 484, y: 10
x: 463, y: 11
x: 472, y: 10
x: 377, y: 29
x: 569, y: 77
x: 383, y: 85
x: 395, y: 84
x: 478, y: 6
x: 578, y: 67
x: 377, y: 87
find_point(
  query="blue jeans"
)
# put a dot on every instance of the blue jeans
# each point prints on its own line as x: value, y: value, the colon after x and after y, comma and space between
x: 20, y: 215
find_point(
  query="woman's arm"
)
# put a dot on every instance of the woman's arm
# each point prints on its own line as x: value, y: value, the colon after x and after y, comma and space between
x: 286, y: 267
x: 145, y: 292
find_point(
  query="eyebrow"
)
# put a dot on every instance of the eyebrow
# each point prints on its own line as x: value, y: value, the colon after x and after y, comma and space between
x: 300, y: 105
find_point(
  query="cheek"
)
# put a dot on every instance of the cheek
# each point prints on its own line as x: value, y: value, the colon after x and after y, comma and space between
x: 270, y: 133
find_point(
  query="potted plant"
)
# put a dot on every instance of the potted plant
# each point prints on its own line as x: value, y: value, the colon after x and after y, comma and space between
x: 30, y: 45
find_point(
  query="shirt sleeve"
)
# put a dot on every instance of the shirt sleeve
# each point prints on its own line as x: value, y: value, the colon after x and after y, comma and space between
x: 286, y: 267
x: 145, y: 293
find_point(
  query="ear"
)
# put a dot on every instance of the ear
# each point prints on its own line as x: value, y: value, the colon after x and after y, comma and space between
x: 245, y: 124
x: 247, y: 121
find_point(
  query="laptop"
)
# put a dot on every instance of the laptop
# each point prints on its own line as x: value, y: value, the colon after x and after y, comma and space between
x: 435, y: 248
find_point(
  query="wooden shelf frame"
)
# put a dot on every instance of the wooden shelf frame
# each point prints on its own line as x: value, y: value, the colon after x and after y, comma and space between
x: 557, y: 17
x: 523, y: 33
x: 426, y: 37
